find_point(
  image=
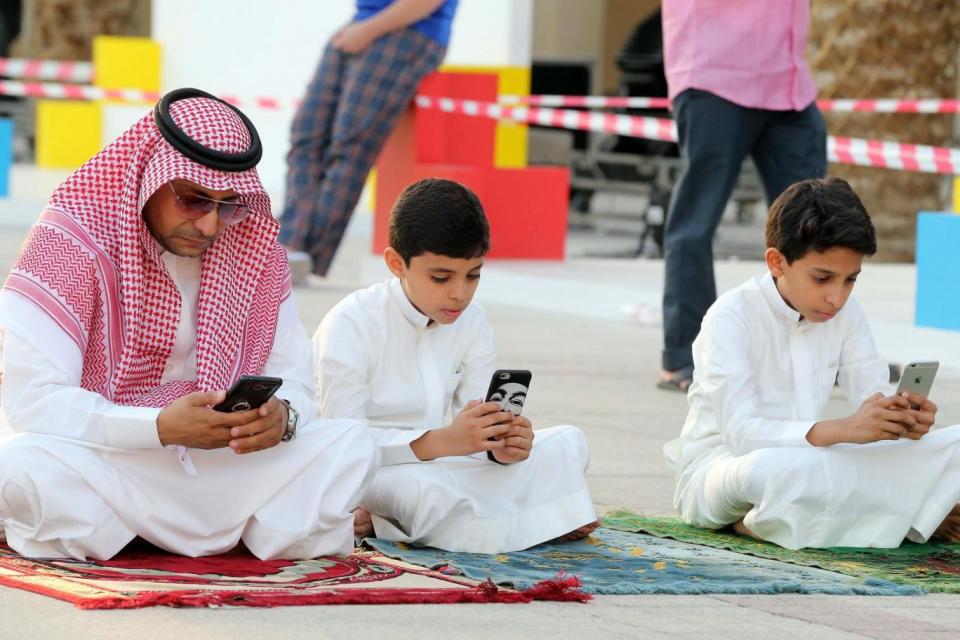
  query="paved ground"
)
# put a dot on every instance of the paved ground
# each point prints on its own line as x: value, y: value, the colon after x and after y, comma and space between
x: 592, y: 367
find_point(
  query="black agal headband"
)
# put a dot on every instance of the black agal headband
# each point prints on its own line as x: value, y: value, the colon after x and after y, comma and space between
x: 197, y: 152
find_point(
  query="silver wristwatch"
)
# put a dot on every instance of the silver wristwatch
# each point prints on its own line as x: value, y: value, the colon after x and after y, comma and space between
x: 290, y: 430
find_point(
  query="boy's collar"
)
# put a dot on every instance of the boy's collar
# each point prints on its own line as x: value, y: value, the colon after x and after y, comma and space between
x: 406, y: 307
x: 768, y: 287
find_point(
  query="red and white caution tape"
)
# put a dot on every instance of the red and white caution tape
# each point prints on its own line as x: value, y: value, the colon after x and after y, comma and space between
x: 893, y: 155
x: 82, y: 72
x: 74, y: 71
x: 932, y: 105
x: 871, y: 153
x: 590, y: 102
x: 87, y: 92
x: 636, y: 126
x: 73, y: 92
x: 62, y: 70
x: 857, y: 151
x: 261, y: 102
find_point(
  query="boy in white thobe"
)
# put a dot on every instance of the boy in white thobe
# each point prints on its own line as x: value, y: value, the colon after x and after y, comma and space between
x: 406, y: 353
x: 151, y: 282
x: 755, y: 452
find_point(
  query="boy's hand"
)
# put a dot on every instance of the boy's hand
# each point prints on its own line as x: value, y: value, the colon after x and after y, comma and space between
x: 878, y: 418
x: 517, y: 442
x: 923, y: 411
x: 470, y: 432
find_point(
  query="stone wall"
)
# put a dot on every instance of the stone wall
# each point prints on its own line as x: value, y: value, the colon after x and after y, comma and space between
x: 64, y: 29
x: 889, y: 49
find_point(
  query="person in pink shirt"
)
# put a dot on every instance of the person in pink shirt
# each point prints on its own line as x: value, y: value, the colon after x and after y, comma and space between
x: 739, y: 85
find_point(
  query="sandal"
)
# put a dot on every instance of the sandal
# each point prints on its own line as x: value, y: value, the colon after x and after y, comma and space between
x: 679, y: 380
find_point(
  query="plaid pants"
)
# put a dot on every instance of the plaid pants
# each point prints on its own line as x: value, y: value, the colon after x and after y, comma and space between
x: 349, y: 110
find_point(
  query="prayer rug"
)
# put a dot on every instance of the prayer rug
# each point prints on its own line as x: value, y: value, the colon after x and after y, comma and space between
x: 931, y: 567
x: 142, y: 578
x: 620, y: 562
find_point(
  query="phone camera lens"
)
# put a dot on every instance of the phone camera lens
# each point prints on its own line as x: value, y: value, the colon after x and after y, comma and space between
x: 504, y: 376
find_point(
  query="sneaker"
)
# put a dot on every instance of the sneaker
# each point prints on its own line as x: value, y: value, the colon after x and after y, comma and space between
x: 301, y: 264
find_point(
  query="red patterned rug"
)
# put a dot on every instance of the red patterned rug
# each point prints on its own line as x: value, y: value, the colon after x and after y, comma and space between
x: 144, y: 576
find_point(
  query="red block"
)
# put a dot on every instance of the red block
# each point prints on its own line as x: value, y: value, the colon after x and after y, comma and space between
x: 451, y: 138
x: 527, y: 208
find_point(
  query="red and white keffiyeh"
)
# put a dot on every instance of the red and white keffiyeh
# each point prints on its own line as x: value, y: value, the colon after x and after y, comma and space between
x: 91, y: 264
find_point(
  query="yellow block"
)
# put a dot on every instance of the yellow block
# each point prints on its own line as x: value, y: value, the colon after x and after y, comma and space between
x: 956, y: 194
x: 121, y: 62
x: 510, y: 150
x: 68, y: 133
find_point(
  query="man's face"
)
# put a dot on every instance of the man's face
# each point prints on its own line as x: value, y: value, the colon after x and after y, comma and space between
x: 440, y: 287
x: 166, y: 217
x: 818, y: 284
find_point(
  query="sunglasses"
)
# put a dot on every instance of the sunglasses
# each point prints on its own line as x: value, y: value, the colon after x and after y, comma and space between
x: 193, y: 207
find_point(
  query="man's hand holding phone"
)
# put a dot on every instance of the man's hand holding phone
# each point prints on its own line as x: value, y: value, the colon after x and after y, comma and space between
x: 192, y: 422
x: 263, y: 430
x: 246, y: 418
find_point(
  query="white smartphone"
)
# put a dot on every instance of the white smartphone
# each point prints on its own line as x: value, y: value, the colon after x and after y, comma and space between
x: 918, y: 378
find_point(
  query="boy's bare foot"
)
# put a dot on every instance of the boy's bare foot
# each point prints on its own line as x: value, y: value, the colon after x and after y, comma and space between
x: 362, y: 524
x: 579, y: 533
x: 949, y: 529
x: 742, y: 529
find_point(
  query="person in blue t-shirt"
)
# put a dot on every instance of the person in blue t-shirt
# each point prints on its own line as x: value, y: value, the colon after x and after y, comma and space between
x: 368, y: 74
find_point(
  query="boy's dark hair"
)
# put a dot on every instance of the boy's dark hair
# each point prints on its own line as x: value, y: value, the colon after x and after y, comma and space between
x: 438, y: 216
x: 815, y: 215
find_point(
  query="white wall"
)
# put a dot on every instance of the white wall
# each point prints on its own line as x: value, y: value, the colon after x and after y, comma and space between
x: 258, y: 48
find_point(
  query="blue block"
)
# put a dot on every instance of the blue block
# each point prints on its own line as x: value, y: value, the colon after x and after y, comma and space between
x: 938, y: 270
x: 6, y: 154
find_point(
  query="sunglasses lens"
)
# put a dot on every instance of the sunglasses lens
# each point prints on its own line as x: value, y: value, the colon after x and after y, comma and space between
x: 197, y: 207
x: 233, y: 212
x: 192, y: 207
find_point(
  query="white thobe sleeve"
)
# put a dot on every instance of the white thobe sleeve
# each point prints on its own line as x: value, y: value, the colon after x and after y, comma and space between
x: 862, y: 371
x: 42, y: 396
x: 477, y: 365
x: 290, y: 359
x: 724, y: 371
x: 343, y: 367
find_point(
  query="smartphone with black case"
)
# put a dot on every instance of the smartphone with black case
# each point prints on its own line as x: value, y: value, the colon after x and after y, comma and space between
x: 508, y: 388
x: 249, y: 392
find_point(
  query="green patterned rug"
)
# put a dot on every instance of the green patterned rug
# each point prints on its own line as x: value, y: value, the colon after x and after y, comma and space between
x: 932, y: 567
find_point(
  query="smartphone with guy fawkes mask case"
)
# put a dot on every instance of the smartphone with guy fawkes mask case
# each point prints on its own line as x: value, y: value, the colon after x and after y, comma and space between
x: 508, y: 388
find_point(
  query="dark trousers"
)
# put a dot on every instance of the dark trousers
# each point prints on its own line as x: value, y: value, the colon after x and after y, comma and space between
x: 715, y: 135
x: 349, y: 110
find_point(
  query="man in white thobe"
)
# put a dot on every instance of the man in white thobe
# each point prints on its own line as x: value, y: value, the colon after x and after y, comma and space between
x: 151, y: 283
